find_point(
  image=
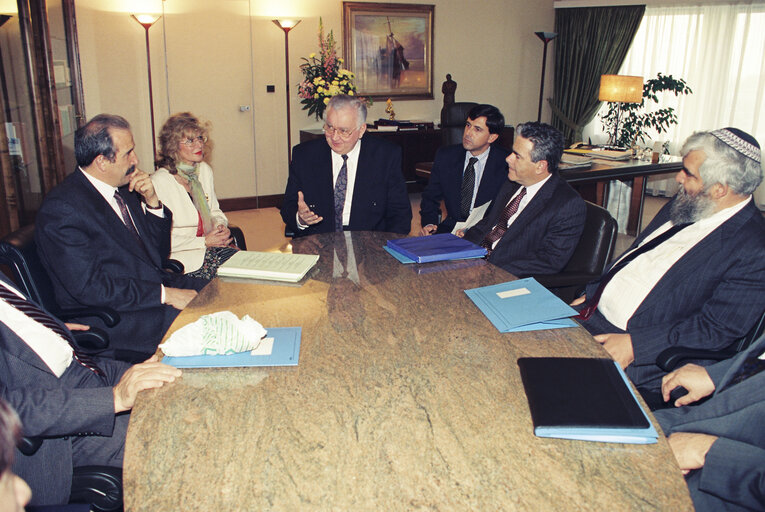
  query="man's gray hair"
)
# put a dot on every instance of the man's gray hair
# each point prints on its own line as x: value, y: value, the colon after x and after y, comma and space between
x: 342, y: 101
x: 724, y: 164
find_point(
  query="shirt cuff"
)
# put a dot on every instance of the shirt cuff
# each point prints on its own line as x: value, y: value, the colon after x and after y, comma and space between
x: 162, y: 294
x: 300, y: 225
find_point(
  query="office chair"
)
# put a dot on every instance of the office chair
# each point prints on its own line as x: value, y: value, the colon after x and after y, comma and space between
x: 238, y: 236
x: 672, y: 357
x: 590, y: 258
x: 18, y: 251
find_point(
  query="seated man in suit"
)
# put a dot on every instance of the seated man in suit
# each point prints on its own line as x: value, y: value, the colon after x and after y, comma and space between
x: 74, y: 402
x: 720, y: 444
x: 696, y: 275
x: 103, y: 246
x: 465, y: 175
x: 536, y: 220
x: 344, y: 182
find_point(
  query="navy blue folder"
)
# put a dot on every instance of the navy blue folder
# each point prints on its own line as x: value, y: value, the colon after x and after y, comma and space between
x: 441, y: 247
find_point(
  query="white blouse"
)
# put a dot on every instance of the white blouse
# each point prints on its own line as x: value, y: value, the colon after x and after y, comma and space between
x: 185, y: 245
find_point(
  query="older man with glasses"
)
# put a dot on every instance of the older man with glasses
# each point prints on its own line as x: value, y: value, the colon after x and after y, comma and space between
x: 344, y: 183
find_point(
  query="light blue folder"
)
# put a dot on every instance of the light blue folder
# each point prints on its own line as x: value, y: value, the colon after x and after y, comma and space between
x: 286, y: 352
x: 534, y: 308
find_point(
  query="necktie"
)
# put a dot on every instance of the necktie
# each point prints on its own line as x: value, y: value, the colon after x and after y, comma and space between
x: 752, y: 366
x: 501, y: 227
x: 30, y: 309
x: 591, y: 304
x: 466, y: 193
x: 340, y: 185
x: 129, y: 222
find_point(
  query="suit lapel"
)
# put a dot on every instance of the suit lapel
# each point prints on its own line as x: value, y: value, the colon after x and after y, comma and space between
x: 363, y: 167
x: 532, y: 209
x: 102, y: 214
x: 488, y: 168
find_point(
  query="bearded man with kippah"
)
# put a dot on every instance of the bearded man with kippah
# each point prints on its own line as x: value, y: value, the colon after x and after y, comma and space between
x: 695, y: 276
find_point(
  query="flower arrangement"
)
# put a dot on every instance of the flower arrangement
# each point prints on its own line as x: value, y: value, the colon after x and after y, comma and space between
x: 323, y: 77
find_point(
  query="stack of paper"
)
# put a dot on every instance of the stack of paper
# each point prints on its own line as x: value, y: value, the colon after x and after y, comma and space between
x: 441, y: 247
x: 522, y: 305
x: 273, y: 266
x: 583, y: 399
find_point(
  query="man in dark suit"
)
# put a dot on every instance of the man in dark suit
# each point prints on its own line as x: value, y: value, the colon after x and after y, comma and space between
x: 536, y: 220
x: 103, y: 246
x: 720, y: 444
x: 465, y: 175
x: 344, y: 182
x: 70, y: 400
x: 696, y: 276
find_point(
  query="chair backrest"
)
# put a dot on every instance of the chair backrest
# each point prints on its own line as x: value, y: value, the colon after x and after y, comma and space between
x: 18, y: 251
x: 596, y: 246
x: 453, y: 121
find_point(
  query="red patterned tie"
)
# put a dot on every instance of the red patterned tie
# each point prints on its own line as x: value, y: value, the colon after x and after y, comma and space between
x: 30, y: 309
x: 501, y: 227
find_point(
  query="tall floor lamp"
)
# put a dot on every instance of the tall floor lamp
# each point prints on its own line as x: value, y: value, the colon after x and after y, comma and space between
x: 287, y: 25
x: 146, y: 21
x: 546, y: 37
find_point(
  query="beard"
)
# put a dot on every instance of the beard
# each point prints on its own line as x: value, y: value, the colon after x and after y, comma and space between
x: 688, y: 208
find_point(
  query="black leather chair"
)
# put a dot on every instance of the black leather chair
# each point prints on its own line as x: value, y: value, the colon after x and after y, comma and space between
x: 453, y: 121
x: 590, y: 258
x: 238, y: 236
x: 18, y: 251
x: 672, y: 357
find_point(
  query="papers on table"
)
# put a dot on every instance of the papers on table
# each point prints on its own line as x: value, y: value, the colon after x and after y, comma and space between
x: 522, y: 305
x: 570, y: 161
x: 268, y: 265
x: 441, y: 247
x: 475, y: 216
x: 283, y: 349
x: 583, y: 399
x: 605, y: 154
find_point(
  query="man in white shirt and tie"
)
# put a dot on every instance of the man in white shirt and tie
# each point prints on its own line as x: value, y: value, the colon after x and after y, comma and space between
x: 102, y: 234
x: 535, y: 222
x: 696, y: 276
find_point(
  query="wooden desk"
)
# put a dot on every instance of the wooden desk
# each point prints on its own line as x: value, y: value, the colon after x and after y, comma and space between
x: 405, y: 398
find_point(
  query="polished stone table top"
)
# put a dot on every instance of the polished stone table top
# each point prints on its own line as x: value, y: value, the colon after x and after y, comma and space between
x: 405, y: 398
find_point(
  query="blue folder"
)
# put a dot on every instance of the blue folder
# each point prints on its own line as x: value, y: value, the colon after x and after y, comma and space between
x: 532, y: 308
x: 286, y: 352
x: 441, y: 247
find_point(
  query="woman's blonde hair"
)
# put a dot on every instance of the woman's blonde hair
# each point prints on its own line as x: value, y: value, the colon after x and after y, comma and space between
x: 176, y: 128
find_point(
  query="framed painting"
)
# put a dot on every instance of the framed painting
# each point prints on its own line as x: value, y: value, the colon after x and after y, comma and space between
x: 389, y: 47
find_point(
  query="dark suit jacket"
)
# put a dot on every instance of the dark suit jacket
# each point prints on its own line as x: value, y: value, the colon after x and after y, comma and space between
x: 733, y: 475
x: 379, y: 203
x: 543, y: 237
x: 446, y: 183
x: 708, y: 299
x: 78, y: 403
x: 93, y: 260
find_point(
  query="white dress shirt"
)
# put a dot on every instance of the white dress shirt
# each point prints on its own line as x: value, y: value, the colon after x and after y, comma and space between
x: 641, y: 274
x: 531, y: 191
x: 54, y: 350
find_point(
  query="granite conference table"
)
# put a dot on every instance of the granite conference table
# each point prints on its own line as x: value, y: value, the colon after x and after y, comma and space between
x: 405, y: 398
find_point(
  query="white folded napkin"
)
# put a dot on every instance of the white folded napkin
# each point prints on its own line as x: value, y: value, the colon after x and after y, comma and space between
x: 218, y: 334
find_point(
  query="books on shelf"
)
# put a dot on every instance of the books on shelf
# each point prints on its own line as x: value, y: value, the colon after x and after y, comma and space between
x: 522, y: 305
x: 270, y: 266
x: 440, y: 247
x: 584, y: 399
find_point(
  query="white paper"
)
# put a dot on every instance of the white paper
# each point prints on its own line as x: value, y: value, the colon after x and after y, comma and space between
x: 216, y: 334
x: 513, y: 293
x: 475, y: 216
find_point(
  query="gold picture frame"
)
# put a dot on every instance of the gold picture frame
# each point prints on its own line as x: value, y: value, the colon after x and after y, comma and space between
x: 389, y: 47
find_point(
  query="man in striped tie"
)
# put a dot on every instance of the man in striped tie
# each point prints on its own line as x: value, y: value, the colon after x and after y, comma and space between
x: 536, y: 220
x: 695, y: 276
x: 73, y: 401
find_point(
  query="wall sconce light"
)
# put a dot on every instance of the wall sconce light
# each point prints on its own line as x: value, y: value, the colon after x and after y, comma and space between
x: 146, y: 21
x: 287, y: 25
x: 620, y: 89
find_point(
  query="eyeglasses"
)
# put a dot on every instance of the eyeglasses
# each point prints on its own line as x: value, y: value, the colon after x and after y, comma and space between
x: 190, y: 141
x: 344, y: 133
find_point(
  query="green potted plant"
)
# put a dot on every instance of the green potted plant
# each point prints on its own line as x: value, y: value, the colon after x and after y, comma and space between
x: 630, y: 119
